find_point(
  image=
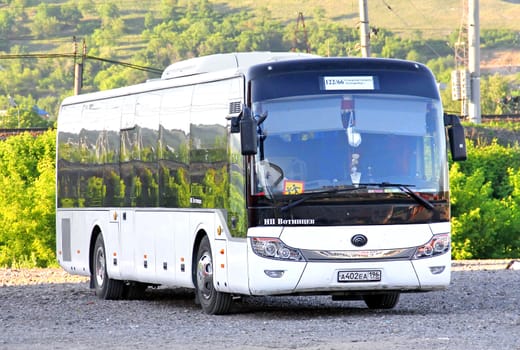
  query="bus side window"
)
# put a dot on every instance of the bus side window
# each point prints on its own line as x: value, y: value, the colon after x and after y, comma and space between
x: 209, y: 145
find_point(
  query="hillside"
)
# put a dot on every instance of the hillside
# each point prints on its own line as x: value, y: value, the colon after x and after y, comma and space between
x: 433, y: 18
x: 427, y: 19
x: 153, y: 33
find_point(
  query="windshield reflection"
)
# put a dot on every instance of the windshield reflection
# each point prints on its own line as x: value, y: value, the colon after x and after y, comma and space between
x: 329, y: 141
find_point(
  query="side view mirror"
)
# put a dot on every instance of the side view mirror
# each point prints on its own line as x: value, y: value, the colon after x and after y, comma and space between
x: 248, y: 132
x: 456, y: 137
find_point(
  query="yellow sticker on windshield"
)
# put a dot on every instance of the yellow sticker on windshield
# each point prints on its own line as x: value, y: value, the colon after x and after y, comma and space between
x: 293, y: 187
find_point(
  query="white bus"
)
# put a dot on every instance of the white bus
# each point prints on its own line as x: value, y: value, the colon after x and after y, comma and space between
x: 260, y: 174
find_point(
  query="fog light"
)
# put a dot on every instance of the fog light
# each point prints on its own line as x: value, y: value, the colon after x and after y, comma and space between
x: 274, y: 273
x: 435, y: 270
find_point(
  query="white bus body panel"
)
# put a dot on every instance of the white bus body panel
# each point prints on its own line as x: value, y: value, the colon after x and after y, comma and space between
x: 154, y: 246
x: 73, y: 241
x: 395, y: 275
x: 157, y: 247
x: 322, y: 276
x: 338, y: 237
x: 237, y: 266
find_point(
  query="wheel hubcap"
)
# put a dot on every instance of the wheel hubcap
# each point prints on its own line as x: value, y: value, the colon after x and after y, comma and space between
x: 100, y: 266
x: 205, y: 276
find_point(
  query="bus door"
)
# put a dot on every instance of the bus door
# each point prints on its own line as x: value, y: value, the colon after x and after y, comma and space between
x: 139, y: 168
x: 128, y: 136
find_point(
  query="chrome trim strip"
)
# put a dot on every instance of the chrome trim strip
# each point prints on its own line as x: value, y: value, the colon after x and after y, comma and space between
x: 350, y: 255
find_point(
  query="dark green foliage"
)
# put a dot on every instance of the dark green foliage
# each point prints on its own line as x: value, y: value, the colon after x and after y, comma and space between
x: 485, y: 189
x: 175, y: 30
x: 27, y: 213
x: 495, y: 38
x: 485, y: 197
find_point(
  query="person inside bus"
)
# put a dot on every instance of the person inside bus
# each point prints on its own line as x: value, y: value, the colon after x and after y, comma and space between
x: 386, y: 158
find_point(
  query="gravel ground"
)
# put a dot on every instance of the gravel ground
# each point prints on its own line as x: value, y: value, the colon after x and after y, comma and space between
x: 49, y: 309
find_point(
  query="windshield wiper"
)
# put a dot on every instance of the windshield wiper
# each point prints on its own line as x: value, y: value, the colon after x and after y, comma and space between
x: 315, y: 194
x: 406, y: 189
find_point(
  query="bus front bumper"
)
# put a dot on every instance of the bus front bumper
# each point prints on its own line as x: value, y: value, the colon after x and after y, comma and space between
x: 274, y: 277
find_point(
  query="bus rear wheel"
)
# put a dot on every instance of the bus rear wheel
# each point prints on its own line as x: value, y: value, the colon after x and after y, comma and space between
x: 106, y: 288
x: 212, y: 301
x: 381, y: 301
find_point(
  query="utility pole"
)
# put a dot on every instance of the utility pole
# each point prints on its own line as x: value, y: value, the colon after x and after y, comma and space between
x: 460, y: 81
x: 364, y: 28
x: 474, y: 112
x: 465, y: 79
x: 303, y: 31
x: 78, y: 66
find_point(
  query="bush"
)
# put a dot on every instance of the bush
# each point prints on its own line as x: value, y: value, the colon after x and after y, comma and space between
x: 485, y: 198
x: 27, y: 211
x: 485, y: 202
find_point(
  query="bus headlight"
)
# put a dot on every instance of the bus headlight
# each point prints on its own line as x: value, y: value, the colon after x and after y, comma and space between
x: 439, y: 244
x: 274, y: 248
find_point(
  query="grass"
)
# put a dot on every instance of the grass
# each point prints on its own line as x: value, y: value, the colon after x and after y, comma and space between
x: 432, y: 18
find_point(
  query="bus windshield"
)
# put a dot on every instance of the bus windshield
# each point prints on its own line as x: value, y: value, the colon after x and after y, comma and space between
x: 319, y: 142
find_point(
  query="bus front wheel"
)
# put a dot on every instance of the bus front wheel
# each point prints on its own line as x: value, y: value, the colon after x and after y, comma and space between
x: 381, y: 301
x: 212, y: 301
x: 106, y: 288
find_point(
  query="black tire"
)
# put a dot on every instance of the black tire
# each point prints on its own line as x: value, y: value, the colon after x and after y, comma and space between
x: 382, y: 301
x: 106, y: 288
x: 134, y: 290
x: 211, y: 301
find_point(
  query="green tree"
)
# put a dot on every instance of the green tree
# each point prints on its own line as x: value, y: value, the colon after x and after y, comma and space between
x: 149, y: 20
x: 106, y: 37
x: 87, y: 7
x: 27, y: 201
x: 43, y: 22
x: 485, y: 203
x: 6, y: 23
x: 493, y: 89
x: 108, y: 11
x: 70, y: 14
x: 22, y: 113
x: 111, y: 78
x: 330, y: 39
x: 493, y: 161
x: 261, y: 33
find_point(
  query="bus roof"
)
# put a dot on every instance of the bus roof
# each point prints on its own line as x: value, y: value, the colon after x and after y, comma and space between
x: 219, y: 65
x: 235, y: 60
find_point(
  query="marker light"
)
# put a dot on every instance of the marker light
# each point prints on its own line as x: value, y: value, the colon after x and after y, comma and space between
x: 274, y: 248
x: 274, y: 273
x: 436, y: 270
x: 438, y: 245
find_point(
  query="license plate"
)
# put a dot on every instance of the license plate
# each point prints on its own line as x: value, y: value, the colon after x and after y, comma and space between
x: 359, y: 276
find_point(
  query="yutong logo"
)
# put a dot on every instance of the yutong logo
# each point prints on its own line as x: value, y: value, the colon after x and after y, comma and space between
x: 288, y: 222
x: 359, y: 240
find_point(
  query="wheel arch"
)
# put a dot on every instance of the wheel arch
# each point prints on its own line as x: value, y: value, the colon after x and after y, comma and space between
x: 96, y: 231
x: 201, y: 233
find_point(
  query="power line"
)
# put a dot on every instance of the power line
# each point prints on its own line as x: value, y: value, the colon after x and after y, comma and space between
x: 75, y: 55
x: 36, y: 55
x: 395, y: 13
x: 426, y: 19
x: 407, y: 25
x: 126, y: 64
